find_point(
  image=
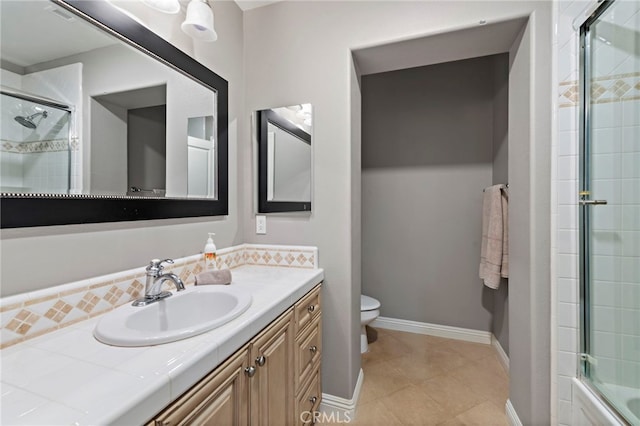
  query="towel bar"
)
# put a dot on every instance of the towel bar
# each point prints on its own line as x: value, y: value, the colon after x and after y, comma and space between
x: 506, y: 185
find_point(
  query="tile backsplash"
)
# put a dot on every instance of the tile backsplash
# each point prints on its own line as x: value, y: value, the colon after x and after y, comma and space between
x: 29, y: 315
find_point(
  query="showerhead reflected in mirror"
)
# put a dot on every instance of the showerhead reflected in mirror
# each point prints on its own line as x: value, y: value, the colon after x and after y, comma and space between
x: 129, y: 111
x: 285, y: 159
x: 36, y: 149
x: 93, y: 86
x: 29, y: 122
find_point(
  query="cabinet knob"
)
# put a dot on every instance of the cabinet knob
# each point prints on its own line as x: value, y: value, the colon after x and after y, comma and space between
x: 313, y: 349
x: 250, y: 371
x: 311, y: 308
x: 261, y: 360
x: 313, y: 399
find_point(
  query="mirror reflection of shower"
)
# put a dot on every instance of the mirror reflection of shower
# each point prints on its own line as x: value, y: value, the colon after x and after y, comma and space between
x: 35, y: 144
x: 29, y: 122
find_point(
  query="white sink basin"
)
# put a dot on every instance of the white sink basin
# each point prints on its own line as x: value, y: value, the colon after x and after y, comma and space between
x: 183, y: 315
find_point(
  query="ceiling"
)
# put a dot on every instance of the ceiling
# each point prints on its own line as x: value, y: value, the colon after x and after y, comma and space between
x: 26, y: 45
x: 481, y: 40
x: 252, y: 4
x: 27, y: 28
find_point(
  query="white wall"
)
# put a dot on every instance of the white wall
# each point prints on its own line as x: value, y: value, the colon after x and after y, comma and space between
x: 68, y: 253
x: 118, y: 68
x: 300, y: 52
x: 291, y: 169
x: 500, y: 320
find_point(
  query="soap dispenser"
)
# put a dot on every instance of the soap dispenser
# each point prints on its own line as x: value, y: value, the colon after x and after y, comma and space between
x: 210, y: 253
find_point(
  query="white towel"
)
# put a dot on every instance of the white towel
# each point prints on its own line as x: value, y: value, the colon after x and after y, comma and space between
x: 494, y: 252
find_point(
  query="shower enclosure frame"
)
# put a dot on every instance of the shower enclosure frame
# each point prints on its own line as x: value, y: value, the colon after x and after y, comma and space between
x: 585, y: 360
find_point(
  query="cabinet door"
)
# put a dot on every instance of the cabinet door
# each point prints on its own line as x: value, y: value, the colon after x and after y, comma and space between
x: 308, y: 402
x: 272, y: 395
x: 218, y: 400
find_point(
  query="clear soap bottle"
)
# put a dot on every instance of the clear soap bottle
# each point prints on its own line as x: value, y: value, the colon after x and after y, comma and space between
x: 210, y: 253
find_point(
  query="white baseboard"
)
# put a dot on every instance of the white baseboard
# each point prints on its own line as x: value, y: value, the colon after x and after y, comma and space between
x: 512, y: 416
x: 339, y: 410
x: 476, y: 336
x: 502, y: 355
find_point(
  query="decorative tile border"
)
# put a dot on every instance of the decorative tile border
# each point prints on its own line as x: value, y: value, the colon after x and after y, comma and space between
x: 613, y: 88
x: 29, y: 315
x: 296, y: 257
x: 53, y: 145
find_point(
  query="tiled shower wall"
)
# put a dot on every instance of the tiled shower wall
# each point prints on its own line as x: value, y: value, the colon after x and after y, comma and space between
x: 33, y: 160
x: 39, y: 159
x: 616, y: 121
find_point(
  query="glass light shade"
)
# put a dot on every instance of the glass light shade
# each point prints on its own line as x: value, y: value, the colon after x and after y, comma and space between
x: 199, y: 21
x: 166, y: 6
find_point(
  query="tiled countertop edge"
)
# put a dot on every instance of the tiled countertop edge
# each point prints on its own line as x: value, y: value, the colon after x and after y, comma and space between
x: 169, y: 369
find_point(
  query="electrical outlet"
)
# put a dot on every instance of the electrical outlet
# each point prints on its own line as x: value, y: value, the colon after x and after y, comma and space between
x: 261, y: 224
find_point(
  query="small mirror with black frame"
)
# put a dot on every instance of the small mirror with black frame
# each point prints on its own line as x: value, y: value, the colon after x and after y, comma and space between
x: 284, y: 159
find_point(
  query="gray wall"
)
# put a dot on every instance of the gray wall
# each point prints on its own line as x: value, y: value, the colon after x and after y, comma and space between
x: 146, y: 147
x: 427, y: 136
x: 500, y: 320
x: 292, y: 57
x: 108, y: 156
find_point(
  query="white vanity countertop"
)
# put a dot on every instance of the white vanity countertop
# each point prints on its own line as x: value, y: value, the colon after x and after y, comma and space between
x: 69, y: 378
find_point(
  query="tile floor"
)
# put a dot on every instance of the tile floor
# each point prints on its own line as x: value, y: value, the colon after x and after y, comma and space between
x: 413, y: 379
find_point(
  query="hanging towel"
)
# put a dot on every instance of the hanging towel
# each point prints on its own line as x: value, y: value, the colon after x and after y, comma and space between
x: 494, y: 251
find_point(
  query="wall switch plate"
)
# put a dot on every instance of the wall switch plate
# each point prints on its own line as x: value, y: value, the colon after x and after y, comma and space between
x: 261, y: 224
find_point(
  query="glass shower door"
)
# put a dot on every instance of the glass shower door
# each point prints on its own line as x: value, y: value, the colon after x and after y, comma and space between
x: 610, y: 206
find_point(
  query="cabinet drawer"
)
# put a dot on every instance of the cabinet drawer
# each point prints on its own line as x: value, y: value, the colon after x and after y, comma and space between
x: 307, y: 309
x: 308, y: 401
x: 308, y: 350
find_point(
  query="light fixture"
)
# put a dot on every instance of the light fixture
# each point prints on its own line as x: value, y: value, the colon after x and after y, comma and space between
x: 199, y: 21
x: 166, y: 6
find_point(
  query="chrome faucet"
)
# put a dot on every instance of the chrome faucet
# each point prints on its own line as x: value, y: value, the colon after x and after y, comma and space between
x: 153, y: 286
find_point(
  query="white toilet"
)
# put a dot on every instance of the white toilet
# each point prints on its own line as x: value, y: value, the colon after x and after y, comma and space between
x: 369, y: 310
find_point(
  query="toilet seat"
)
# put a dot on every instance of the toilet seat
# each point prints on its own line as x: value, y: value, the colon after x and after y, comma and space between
x: 368, y: 303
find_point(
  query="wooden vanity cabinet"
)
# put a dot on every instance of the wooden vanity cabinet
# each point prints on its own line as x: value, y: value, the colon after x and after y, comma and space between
x: 272, y: 395
x: 273, y: 380
x: 308, y: 354
x: 218, y: 399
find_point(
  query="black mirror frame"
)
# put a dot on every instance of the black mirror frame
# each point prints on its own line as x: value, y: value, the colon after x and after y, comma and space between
x: 265, y: 117
x: 18, y: 211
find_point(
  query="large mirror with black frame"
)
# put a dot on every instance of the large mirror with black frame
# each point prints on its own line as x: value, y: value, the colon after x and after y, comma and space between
x: 103, y: 120
x: 284, y: 159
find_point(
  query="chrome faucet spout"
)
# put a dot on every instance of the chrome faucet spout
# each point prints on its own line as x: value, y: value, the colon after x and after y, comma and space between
x: 153, y: 286
x: 157, y: 284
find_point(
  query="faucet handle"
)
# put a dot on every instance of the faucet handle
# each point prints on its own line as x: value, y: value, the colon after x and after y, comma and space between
x: 156, y: 264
